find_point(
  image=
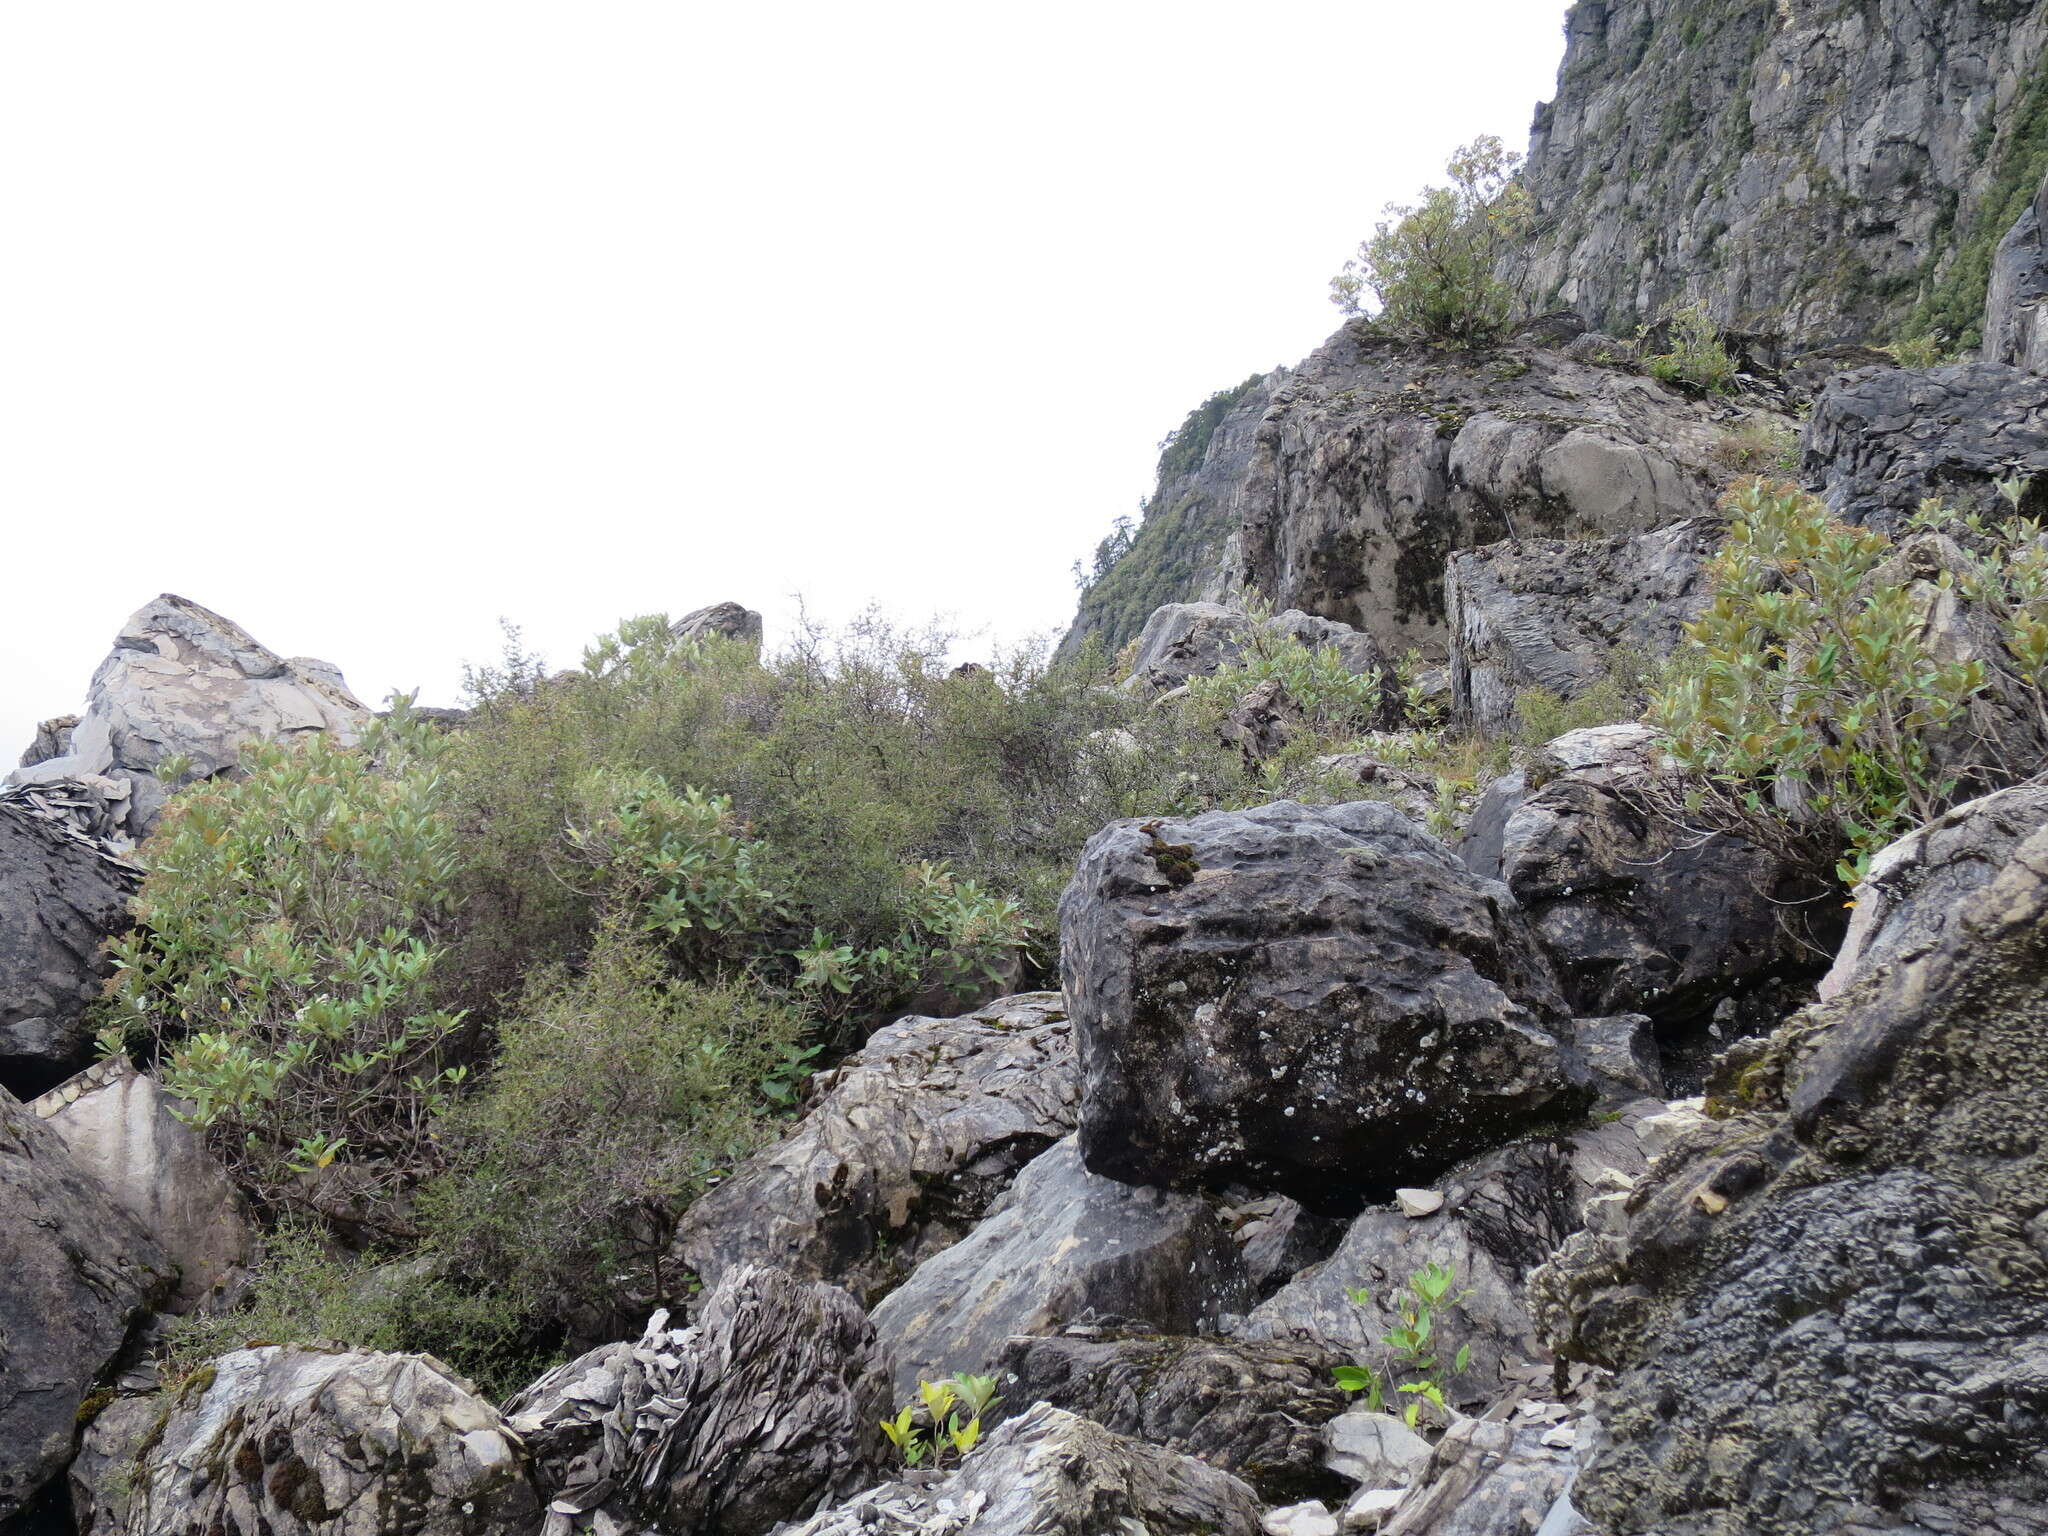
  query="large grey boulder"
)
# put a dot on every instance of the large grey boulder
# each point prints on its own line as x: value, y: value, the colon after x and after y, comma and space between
x: 1882, y: 440
x: 1256, y: 1410
x: 78, y: 1273
x: 1917, y: 886
x: 1052, y: 1473
x: 1502, y: 1215
x: 1638, y: 912
x: 287, y: 1440
x: 183, y: 681
x: 1187, y: 640
x: 64, y: 890
x: 124, y: 1131
x: 1833, y: 1300
x: 1554, y: 613
x: 1320, y: 1001
x: 901, y: 1152
x: 2016, y: 303
x: 771, y: 1403
x: 1062, y: 1246
x: 720, y: 621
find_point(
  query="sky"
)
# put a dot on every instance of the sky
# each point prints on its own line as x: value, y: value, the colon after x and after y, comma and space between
x: 373, y: 325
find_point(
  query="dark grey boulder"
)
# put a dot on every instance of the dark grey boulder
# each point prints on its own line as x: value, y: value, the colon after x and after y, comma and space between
x: 904, y: 1147
x: 76, y: 1272
x: 720, y: 621
x: 1320, y: 1001
x: 1063, y: 1246
x: 1833, y: 1300
x: 1880, y: 441
x: 63, y: 893
x: 1252, y: 1409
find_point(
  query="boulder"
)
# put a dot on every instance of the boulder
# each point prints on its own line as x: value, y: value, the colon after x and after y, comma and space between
x: 768, y: 1406
x: 63, y: 892
x: 1373, y: 1450
x: 288, y: 1440
x: 1487, y: 1478
x: 183, y: 681
x: 120, y: 1128
x: 1637, y: 913
x: 1187, y: 640
x: 901, y: 1152
x: 1052, y: 1473
x: 1263, y: 722
x: 1279, y: 1238
x: 1917, y: 885
x: 1411, y: 793
x: 1503, y: 1214
x: 1255, y: 1410
x: 1882, y: 440
x: 1309, y: 1518
x: 1319, y: 1001
x: 721, y: 621
x: 52, y: 739
x: 1558, y: 614
x: 1833, y: 1299
x: 1062, y: 1246
x: 2016, y: 303
x: 79, y: 1272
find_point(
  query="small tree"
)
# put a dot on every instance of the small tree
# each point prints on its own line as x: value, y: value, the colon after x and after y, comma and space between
x: 1433, y: 267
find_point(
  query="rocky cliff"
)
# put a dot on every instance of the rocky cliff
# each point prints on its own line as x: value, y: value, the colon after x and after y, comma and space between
x: 1825, y: 169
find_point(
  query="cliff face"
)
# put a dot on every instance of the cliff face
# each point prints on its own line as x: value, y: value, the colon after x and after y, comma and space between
x: 1827, y: 169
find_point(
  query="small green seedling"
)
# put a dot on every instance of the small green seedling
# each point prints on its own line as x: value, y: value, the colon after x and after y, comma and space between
x: 1408, y: 1363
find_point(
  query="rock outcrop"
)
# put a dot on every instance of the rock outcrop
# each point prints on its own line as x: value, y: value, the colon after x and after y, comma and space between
x: 119, y: 1128
x: 720, y: 621
x: 1256, y: 1410
x: 1063, y: 1246
x: 1801, y: 167
x: 1833, y: 1302
x: 1558, y: 614
x: 1319, y: 1001
x: 1882, y: 440
x: 1186, y: 640
x: 289, y: 1440
x: 1053, y: 1473
x: 766, y: 1407
x: 2016, y: 307
x: 183, y: 681
x: 903, y: 1149
x: 52, y: 739
x: 79, y: 1272
x: 64, y: 890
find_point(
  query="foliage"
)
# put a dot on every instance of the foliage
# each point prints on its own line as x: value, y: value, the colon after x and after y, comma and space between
x: 946, y: 1420
x: 1808, y: 703
x: 1330, y: 696
x: 281, y: 970
x: 1696, y: 357
x: 1405, y: 1362
x: 1759, y: 446
x: 1919, y: 352
x: 1433, y: 266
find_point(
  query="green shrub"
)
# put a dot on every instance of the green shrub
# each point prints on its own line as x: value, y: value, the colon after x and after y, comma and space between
x: 281, y: 970
x: 1433, y: 266
x: 1758, y: 447
x: 1696, y: 357
x: 1407, y: 1362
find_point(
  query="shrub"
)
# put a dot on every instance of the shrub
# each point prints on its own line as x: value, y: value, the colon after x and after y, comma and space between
x: 280, y: 973
x: 1696, y: 357
x: 1758, y: 447
x: 1433, y: 266
x: 1406, y: 1361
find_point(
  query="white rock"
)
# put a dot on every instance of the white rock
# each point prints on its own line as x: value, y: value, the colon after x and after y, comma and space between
x: 1658, y: 1132
x: 1418, y: 1202
x: 1308, y: 1519
x: 1373, y: 1449
x: 1371, y: 1507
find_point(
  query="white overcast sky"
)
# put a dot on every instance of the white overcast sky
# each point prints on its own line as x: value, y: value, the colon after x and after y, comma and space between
x: 370, y: 323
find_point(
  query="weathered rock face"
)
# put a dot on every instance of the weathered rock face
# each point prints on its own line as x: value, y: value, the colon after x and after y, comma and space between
x: 78, y: 1272
x: 1378, y: 460
x: 1793, y: 164
x: 1639, y: 915
x: 183, y: 681
x: 1835, y: 1302
x: 1176, y: 553
x: 1503, y: 1214
x: 905, y: 1146
x: 52, y: 739
x: 1063, y: 1246
x: 1551, y: 613
x: 1320, y: 1001
x: 1052, y: 1473
x: 1881, y: 441
x: 1252, y: 1409
x: 63, y: 893
x: 770, y: 1404
x: 118, y: 1127
x: 1917, y: 886
x: 2016, y: 308
x: 290, y: 1440
x: 1491, y: 1479
x: 721, y: 621
x: 1184, y: 640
